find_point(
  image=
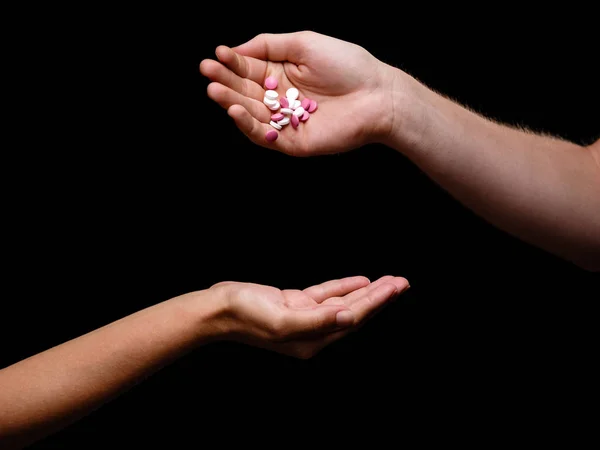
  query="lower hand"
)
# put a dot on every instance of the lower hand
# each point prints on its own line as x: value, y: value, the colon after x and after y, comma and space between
x: 300, y: 323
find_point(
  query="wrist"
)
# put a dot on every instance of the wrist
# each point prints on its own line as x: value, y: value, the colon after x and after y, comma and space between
x: 207, y: 310
x: 406, y: 103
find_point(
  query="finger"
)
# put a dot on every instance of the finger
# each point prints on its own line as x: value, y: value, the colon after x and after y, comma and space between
x: 353, y: 296
x: 335, y: 288
x: 274, y: 47
x: 400, y: 283
x: 215, y: 71
x: 321, y: 319
x: 257, y: 131
x: 364, y: 308
x: 226, y: 97
x: 374, y: 300
x: 244, y: 66
x: 252, y: 128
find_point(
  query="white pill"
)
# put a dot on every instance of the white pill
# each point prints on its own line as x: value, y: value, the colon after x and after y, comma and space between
x: 286, y: 111
x: 292, y: 93
x: 275, y: 107
x: 284, y: 121
x: 297, y: 104
x: 275, y: 125
x: 299, y: 111
x: 271, y: 94
x: 267, y: 101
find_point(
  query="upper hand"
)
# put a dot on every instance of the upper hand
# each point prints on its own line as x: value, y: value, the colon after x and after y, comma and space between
x: 300, y: 323
x: 352, y: 89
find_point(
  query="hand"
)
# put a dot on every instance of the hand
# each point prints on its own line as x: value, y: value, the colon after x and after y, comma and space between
x: 352, y: 89
x: 300, y: 323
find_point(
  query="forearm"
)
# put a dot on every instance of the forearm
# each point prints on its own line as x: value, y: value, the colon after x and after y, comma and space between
x: 542, y: 189
x: 51, y: 389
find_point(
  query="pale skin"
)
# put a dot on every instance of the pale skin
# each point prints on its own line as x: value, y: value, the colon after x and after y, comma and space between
x: 47, y: 391
x: 541, y: 189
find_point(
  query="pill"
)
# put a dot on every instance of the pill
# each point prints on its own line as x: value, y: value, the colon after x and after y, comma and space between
x: 273, y: 95
x: 295, y: 121
x: 277, y: 117
x: 275, y: 107
x: 283, y: 121
x: 297, y: 104
x: 284, y: 102
x: 312, y: 107
x: 271, y: 135
x: 267, y: 101
x: 305, y: 103
x: 305, y: 116
x: 299, y: 111
x: 286, y: 111
x: 275, y: 125
x: 271, y: 83
x: 292, y: 93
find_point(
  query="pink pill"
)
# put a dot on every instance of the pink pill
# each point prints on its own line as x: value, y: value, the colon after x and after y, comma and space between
x: 295, y: 121
x: 283, y: 101
x: 305, y: 103
x: 312, y: 107
x: 277, y: 117
x: 271, y: 135
x: 271, y: 83
x: 305, y: 116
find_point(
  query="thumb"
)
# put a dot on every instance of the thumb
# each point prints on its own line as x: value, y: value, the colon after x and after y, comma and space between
x: 274, y: 47
x: 319, y: 320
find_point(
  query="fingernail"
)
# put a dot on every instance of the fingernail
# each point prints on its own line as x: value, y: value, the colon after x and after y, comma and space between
x: 344, y: 318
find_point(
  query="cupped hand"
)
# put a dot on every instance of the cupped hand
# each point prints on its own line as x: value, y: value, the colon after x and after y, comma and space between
x: 350, y: 86
x: 300, y: 323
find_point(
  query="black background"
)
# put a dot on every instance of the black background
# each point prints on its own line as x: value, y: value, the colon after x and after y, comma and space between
x: 133, y: 187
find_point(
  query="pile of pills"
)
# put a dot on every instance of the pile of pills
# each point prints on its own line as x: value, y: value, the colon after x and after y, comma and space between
x: 286, y: 109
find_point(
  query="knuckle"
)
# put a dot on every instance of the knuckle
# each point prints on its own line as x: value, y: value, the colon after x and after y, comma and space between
x: 318, y: 291
x: 242, y: 67
x: 278, y: 329
x: 263, y: 36
x: 223, y: 286
x: 244, y: 87
x: 337, y: 284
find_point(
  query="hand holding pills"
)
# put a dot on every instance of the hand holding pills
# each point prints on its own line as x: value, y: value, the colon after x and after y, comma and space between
x: 277, y: 80
x: 363, y: 100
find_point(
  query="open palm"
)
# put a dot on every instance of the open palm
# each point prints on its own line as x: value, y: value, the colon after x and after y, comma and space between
x: 299, y: 322
x: 343, y: 78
